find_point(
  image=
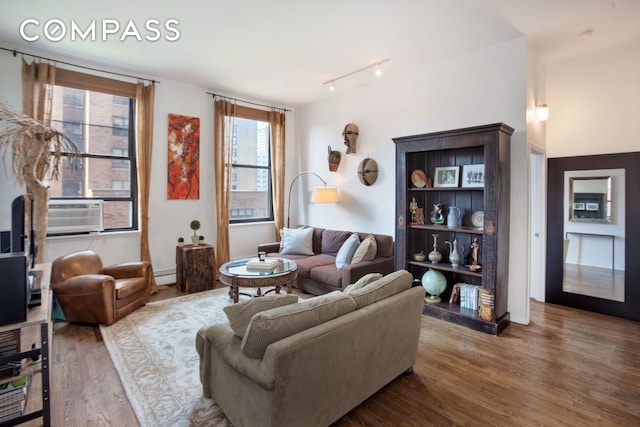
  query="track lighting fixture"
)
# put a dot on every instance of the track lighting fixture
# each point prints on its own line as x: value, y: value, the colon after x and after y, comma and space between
x: 376, y: 66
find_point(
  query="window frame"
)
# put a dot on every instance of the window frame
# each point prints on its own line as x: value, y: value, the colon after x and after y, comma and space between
x: 248, y: 113
x: 88, y: 82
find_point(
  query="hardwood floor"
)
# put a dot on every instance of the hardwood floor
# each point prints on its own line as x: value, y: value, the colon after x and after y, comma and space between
x: 567, y: 368
x: 597, y: 282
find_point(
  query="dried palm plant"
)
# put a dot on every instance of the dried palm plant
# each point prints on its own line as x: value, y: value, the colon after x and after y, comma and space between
x: 36, y: 150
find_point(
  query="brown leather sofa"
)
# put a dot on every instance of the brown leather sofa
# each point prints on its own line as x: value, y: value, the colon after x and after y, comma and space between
x: 88, y: 292
x: 317, y: 273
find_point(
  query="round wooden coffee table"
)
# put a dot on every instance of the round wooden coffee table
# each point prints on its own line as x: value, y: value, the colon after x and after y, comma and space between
x: 236, y: 275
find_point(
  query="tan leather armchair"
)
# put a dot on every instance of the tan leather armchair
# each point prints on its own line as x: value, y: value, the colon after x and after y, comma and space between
x: 90, y: 293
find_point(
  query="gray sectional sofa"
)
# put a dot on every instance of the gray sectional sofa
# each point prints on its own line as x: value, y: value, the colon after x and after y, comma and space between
x: 318, y: 274
x: 311, y: 362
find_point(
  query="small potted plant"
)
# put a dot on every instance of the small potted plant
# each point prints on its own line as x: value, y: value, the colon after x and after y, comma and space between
x: 180, y: 241
x: 201, y: 240
x: 195, y: 226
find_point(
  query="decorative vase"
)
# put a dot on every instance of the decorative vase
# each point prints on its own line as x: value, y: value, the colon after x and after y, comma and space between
x: 195, y: 240
x: 454, y: 218
x: 434, y: 283
x: 435, y: 256
x: 455, y: 256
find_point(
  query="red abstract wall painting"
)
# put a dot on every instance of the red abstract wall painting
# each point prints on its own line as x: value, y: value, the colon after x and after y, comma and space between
x: 183, y: 181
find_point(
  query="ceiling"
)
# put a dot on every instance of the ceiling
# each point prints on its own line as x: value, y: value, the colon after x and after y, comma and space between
x: 281, y: 51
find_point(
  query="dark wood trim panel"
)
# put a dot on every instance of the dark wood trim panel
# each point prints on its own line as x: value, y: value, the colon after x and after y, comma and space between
x: 556, y: 167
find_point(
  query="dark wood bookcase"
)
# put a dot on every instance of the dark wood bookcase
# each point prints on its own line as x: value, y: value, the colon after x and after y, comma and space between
x: 487, y: 145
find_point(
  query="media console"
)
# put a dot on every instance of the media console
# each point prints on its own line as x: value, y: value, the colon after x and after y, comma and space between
x: 33, y: 346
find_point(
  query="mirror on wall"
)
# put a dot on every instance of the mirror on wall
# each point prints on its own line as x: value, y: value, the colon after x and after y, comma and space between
x: 594, y: 234
x: 590, y: 199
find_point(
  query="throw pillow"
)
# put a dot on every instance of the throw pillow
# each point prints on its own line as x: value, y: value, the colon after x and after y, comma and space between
x: 363, y: 281
x: 332, y: 241
x: 366, y: 251
x: 388, y: 285
x: 273, y: 325
x: 348, y: 248
x: 283, y: 231
x: 297, y: 241
x: 240, y: 314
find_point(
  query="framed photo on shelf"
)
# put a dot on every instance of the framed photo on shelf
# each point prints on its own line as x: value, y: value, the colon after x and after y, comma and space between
x: 591, y: 206
x: 472, y: 176
x: 578, y: 206
x: 446, y: 176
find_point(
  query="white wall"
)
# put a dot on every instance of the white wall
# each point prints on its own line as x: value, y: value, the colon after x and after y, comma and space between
x: 593, y: 103
x: 486, y: 86
x: 531, y: 251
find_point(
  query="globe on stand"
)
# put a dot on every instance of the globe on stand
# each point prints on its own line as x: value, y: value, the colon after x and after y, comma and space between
x: 434, y: 283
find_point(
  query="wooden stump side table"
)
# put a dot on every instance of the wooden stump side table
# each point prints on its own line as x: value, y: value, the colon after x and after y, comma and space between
x: 195, y: 268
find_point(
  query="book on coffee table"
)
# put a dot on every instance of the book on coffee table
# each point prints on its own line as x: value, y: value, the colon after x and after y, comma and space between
x: 267, y: 264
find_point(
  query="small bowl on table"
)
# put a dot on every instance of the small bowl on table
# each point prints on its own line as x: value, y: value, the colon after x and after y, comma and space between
x: 419, y: 256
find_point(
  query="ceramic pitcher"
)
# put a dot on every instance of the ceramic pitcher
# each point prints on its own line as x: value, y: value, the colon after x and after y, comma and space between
x: 455, y: 252
x: 454, y: 218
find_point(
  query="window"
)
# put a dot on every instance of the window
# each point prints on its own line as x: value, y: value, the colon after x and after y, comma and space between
x: 98, y: 120
x: 251, y: 170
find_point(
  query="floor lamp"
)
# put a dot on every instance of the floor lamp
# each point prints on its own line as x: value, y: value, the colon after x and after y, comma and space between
x: 320, y: 194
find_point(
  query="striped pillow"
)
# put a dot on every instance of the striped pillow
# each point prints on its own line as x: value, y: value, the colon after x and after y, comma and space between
x: 391, y: 284
x: 240, y: 314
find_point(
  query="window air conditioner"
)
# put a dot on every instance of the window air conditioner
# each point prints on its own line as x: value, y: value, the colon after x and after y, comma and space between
x: 74, y: 216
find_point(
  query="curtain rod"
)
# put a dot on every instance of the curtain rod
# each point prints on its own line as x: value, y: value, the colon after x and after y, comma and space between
x: 16, y: 52
x: 248, y: 102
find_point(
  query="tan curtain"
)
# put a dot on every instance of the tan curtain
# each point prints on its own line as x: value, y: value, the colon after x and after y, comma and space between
x: 223, y: 114
x: 277, y: 129
x: 37, y: 95
x: 144, y: 129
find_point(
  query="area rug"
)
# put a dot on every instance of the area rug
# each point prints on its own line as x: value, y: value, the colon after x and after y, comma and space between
x: 153, y: 350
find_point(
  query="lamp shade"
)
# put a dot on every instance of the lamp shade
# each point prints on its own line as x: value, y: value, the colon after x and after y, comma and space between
x: 542, y: 112
x: 324, y: 195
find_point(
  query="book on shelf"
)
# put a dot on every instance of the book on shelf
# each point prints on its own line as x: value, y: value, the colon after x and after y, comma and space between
x: 13, y: 396
x: 267, y: 264
x: 10, y: 336
x: 12, y: 411
x: 14, y: 406
x: 9, y: 342
x: 455, y: 294
x: 467, y: 295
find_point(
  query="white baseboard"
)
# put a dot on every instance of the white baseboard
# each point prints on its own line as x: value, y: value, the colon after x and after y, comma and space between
x: 165, y: 277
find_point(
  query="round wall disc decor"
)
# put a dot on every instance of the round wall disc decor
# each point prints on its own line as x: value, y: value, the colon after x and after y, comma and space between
x: 368, y: 171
